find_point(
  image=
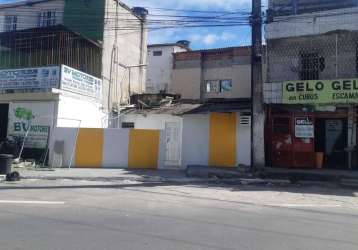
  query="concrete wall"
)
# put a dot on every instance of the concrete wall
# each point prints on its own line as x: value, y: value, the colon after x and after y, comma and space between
x: 88, y: 110
x: 27, y: 15
x: 186, y: 82
x: 114, y: 148
x: 196, y: 141
x: 159, y: 70
x: 122, y: 47
x: 190, y: 76
x: 195, y: 136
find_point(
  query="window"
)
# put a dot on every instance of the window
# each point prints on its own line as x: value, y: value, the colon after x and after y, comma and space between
x: 212, y: 86
x: 47, y: 18
x: 311, y: 66
x: 127, y: 124
x: 225, y: 85
x: 218, y: 86
x: 10, y: 23
x: 157, y: 53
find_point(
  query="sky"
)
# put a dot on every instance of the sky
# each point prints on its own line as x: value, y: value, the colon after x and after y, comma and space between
x: 203, y: 37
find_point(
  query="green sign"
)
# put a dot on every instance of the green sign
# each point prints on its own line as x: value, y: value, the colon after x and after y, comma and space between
x: 321, y: 92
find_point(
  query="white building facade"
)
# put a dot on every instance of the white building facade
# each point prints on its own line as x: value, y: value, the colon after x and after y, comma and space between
x: 160, y: 65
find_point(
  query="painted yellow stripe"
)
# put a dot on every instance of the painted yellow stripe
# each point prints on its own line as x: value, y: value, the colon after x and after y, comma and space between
x: 222, y: 140
x: 143, y: 149
x: 89, y: 149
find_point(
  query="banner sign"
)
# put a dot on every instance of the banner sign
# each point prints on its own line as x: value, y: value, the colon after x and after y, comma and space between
x: 343, y: 91
x: 304, y: 127
x: 30, y: 78
x: 34, y: 118
x: 80, y: 83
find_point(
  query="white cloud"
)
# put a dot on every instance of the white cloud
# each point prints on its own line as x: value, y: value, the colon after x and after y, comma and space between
x: 210, y: 39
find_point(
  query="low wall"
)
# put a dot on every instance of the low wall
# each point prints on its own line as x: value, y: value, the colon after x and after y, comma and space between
x: 109, y: 148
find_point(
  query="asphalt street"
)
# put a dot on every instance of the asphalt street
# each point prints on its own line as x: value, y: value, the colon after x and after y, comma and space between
x: 170, y: 217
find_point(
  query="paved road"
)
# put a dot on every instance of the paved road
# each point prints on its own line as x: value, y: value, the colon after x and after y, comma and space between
x: 168, y: 217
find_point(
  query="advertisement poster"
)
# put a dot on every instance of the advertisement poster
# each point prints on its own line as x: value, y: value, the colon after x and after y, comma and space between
x: 80, y: 83
x: 30, y: 78
x: 304, y: 127
x: 34, y: 118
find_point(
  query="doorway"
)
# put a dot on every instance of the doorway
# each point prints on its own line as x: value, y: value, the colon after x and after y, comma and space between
x: 4, y: 119
x: 173, y: 144
x: 332, y: 140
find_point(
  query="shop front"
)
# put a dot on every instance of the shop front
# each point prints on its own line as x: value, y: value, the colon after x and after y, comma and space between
x: 314, y: 126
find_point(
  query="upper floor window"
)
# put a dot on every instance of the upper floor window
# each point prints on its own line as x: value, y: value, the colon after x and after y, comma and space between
x: 10, y: 23
x: 157, y: 53
x: 218, y: 86
x: 47, y: 18
x: 311, y: 66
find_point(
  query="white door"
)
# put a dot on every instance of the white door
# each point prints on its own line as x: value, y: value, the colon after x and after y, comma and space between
x: 173, y: 144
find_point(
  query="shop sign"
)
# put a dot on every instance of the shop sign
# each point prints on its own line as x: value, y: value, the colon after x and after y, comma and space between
x: 304, y: 127
x: 33, y: 119
x: 30, y: 78
x: 81, y: 83
x: 343, y: 91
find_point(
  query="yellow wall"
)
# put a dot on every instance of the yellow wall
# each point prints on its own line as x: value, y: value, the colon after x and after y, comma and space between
x: 222, y: 140
x: 143, y: 149
x: 89, y: 148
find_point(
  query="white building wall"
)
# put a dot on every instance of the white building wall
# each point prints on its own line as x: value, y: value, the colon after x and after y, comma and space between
x: 196, y: 140
x: 151, y: 121
x: 122, y: 48
x: 27, y: 15
x: 88, y: 111
x: 243, y: 146
x: 160, y: 68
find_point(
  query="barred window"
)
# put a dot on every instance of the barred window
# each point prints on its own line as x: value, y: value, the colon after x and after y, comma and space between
x: 309, y: 66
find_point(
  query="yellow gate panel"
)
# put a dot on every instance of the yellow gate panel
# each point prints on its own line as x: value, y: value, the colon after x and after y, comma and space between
x: 222, y: 140
x: 143, y: 149
x: 89, y: 148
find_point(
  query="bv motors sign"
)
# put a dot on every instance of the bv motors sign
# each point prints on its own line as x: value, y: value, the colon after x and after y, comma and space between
x: 32, y: 118
x: 81, y: 83
x: 321, y: 92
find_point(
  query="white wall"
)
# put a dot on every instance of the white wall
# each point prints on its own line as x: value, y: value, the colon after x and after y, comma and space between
x: 150, y: 121
x: 115, y: 148
x: 89, y: 111
x: 195, y: 140
x: 68, y: 136
x: 159, y: 70
x: 126, y: 48
x: 243, y: 143
x: 313, y: 23
x: 27, y: 15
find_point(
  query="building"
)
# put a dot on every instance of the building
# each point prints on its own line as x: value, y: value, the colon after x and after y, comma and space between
x: 67, y: 64
x: 223, y: 73
x: 160, y: 65
x: 122, y: 41
x: 311, y: 88
x: 210, y: 124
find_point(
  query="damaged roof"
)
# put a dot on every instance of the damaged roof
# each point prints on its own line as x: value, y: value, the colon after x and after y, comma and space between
x: 193, y: 108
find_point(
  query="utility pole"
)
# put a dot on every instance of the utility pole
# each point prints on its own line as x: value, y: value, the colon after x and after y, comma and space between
x: 257, y: 109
